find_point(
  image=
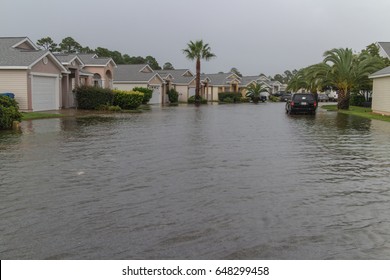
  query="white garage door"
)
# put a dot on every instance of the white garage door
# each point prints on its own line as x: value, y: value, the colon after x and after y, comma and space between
x: 44, y: 93
x: 191, y: 92
x: 156, y: 97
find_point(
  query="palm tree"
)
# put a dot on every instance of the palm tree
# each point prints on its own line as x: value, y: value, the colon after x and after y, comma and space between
x: 254, y: 91
x: 345, y: 71
x: 197, y: 51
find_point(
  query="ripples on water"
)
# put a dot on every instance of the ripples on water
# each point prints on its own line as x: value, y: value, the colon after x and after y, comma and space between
x: 214, y: 182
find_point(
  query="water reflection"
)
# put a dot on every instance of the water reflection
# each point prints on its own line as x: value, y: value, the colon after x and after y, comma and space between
x: 208, y: 182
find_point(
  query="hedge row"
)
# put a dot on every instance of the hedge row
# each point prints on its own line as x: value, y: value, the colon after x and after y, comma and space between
x: 231, y: 97
x: 9, y: 112
x: 127, y: 99
x: 94, y: 98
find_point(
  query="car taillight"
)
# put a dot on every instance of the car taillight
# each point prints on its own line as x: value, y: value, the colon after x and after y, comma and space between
x: 315, y: 103
x: 292, y: 103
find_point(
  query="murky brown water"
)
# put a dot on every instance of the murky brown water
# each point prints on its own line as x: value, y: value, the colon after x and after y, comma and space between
x: 214, y: 182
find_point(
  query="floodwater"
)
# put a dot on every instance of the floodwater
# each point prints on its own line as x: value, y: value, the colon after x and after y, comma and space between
x: 214, y: 182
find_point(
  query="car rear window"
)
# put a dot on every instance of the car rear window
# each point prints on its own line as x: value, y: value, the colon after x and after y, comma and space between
x: 303, y: 97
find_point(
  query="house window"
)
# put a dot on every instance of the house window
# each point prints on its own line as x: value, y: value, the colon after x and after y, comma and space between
x: 97, y: 80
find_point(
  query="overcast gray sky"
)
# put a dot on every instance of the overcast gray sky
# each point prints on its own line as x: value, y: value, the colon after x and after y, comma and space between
x: 255, y: 36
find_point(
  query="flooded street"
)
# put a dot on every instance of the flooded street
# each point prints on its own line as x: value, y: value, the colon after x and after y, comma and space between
x: 215, y: 182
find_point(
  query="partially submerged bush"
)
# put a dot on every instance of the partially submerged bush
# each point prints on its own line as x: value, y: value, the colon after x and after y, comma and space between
x: 91, y: 97
x: 148, y: 93
x: 173, y: 96
x: 9, y: 112
x: 235, y: 96
x: 191, y: 100
x: 128, y: 99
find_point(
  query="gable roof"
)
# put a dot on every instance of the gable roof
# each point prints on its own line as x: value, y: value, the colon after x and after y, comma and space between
x: 221, y: 79
x: 381, y: 73
x: 67, y: 59
x: 134, y: 73
x: 247, y: 80
x: 385, y: 46
x: 180, y: 76
x: 21, y: 53
x: 91, y: 59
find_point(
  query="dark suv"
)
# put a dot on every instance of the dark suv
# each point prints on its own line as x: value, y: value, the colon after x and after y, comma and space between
x: 301, y: 103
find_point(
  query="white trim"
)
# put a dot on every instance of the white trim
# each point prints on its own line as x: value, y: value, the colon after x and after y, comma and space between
x: 48, y: 53
x: 26, y: 40
x: 45, y: 74
x: 57, y: 88
x: 187, y: 71
x: 379, y: 76
x: 14, y: 67
x: 146, y: 66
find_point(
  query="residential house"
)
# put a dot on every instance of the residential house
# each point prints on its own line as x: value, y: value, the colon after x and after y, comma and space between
x: 182, y: 80
x: 248, y: 80
x: 381, y: 84
x: 130, y: 76
x: 381, y: 91
x: 212, y: 84
x: 32, y: 74
x: 75, y: 77
x: 102, y: 69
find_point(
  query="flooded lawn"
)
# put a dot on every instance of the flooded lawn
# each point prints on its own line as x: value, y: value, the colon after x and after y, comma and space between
x: 214, y: 182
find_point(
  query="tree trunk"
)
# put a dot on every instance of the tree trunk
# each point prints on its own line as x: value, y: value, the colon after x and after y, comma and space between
x: 343, y: 100
x: 197, y: 87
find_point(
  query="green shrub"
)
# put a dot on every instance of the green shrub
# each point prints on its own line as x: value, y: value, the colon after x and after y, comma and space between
x: 90, y: 97
x: 228, y: 100
x: 127, y: 99
x: 148, y: 93
x: 357, y: 100
x: 245, y: 99
x: 173, y: 96
x: 235, y: 96
x: 9, y: 112
x: 114, y: 108
x: 273, y: 98
x: 191, y: 100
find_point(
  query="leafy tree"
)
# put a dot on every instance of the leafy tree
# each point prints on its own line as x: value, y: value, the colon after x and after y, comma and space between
x: 168, y: 66
x: 235, y: 71
x: 47, y: 43
x: 69, y: 45
x: 279, y: 78
x: 346, y: 71
x: 117, y: 57
x: 152, y: 62
x: 134, y: 60
x: 86, y: 50
x: 196, y: 51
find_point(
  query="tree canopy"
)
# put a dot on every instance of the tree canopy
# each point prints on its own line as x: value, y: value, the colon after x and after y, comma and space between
x: 70, y: 45
x: 341, y: 69
x: 197, y: 51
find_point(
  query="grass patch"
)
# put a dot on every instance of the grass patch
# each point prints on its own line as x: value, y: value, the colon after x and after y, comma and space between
x: 358, y: 111
x: 39, y: 115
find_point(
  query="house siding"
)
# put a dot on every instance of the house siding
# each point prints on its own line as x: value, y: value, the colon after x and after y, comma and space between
x: 183, y: 92
x: 15, y: 81
x: 381, y: 96
x: 49, y: 68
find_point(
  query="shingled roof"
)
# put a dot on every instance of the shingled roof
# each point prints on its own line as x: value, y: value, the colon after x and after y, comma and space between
x: 385, y: 46
x: 21, y: 53
x: 91, y: 59
x: 180, y: 76
x: 134, y: 73
x: 381, y: 73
